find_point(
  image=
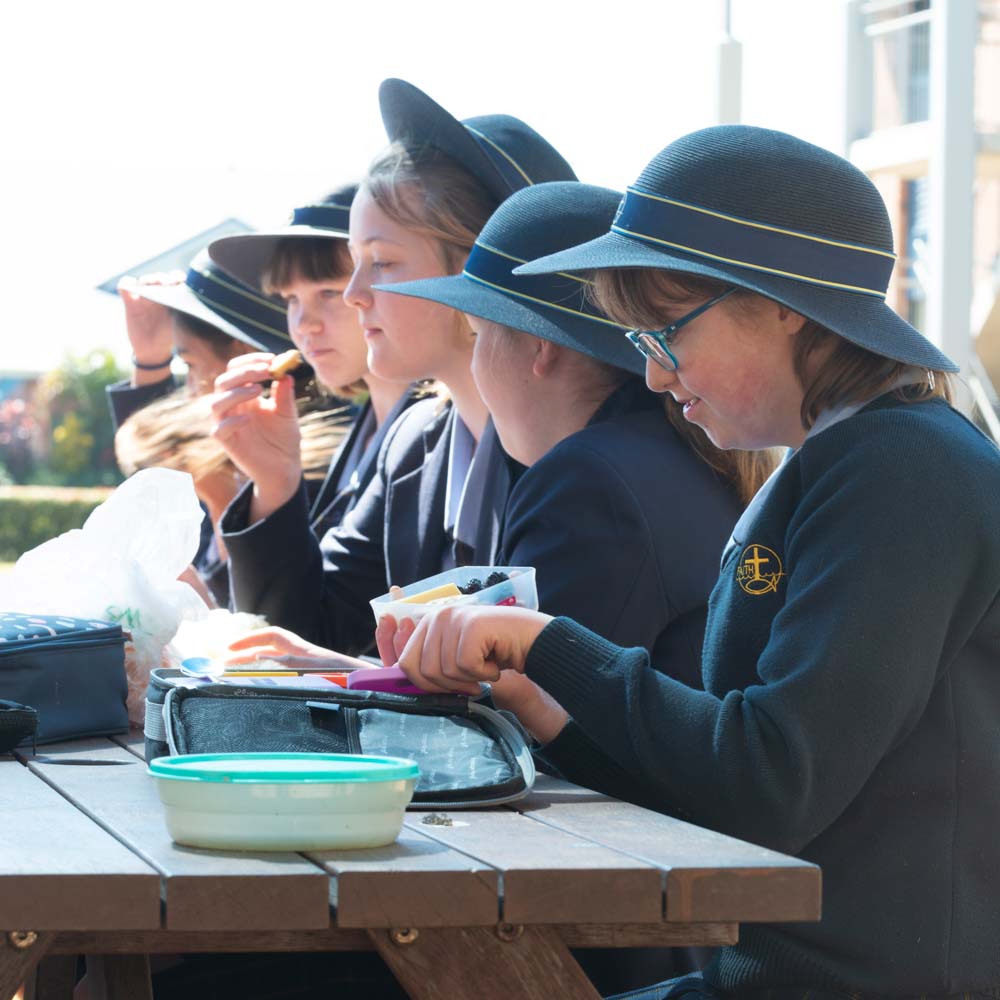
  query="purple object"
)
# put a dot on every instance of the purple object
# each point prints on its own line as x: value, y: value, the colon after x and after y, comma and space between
x: 389, y: 679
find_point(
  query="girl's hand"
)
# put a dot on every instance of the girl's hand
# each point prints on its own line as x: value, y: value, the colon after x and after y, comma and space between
x: 261, y: 436
x: 454, y: 649
x: 148, y: 325
x: 288, y: 649
x: 534, y: 708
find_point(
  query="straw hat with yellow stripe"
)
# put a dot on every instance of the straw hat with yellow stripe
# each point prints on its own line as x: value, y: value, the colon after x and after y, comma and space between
x: 503, y: 152
x: 768, y: 212
x: 217, y: 298
x: 535, y: 221
x: 246, y: 255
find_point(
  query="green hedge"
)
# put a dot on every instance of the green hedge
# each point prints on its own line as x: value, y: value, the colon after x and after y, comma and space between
x: 30, y: 515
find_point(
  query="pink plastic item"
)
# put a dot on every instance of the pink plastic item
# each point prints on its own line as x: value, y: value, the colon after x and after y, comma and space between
x: 391, y: 680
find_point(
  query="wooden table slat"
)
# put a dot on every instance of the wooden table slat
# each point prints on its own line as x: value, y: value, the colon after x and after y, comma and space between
x: 709, y: 876
x: 416, y: 881
x: 549, y: 875
x: 60, y: 871
x: 202, y: 889
x: 133, y: 741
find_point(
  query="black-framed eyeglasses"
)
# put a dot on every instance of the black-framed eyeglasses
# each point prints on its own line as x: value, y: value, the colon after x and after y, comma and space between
x: 655, y: 344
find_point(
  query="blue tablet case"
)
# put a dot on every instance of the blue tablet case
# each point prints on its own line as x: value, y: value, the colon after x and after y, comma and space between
x: 71, y: 670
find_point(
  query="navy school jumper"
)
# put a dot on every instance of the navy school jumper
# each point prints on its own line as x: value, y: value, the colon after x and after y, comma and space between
x: 850, y: 712
x: 625, y: 525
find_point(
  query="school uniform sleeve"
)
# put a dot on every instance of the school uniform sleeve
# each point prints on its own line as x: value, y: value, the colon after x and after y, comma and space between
x: 576, y: 520
x: 319, y: 590
x: 124, y: 399
x: 882, y: 592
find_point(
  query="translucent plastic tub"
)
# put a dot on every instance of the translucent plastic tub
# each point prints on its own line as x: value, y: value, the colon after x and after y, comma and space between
x: 284, y: 801
x: 518, y: 591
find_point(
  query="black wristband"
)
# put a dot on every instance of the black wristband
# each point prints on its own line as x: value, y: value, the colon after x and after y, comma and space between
x: 151, y: 368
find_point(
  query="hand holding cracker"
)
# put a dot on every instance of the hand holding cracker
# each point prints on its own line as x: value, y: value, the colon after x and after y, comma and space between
x: 284, y: 363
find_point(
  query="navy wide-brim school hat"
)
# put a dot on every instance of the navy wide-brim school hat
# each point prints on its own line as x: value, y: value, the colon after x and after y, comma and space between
x: 217, y: 298
x: 535, y: 221
x: 501, y: 151
x: 771, y: 213
x: 246, y: 255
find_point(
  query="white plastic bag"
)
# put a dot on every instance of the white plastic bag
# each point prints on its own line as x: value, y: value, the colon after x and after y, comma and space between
x: 122, y: 566
x: 209, y: 637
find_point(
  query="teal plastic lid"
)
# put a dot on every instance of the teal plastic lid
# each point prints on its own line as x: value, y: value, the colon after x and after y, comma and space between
x: 282, y: 768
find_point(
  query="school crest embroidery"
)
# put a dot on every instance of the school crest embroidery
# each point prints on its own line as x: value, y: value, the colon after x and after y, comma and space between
x: 759, y: 570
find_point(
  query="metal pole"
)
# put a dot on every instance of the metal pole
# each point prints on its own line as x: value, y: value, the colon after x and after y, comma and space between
x: 857, y: 76
x: 954, y: 31
x: 729, y: 73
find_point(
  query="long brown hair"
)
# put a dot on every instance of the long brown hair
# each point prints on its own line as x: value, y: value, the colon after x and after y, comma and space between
x: 176, y: 433
x: 634, y: 297
x: 850, y: 374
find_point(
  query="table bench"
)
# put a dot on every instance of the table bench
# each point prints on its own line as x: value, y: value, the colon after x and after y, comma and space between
x: 495, y: 899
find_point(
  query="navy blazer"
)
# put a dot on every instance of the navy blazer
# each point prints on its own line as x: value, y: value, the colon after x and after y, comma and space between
x: 625, y: 527
x: 394, y: 534
x: 124, y: 399
x: 331, y: 504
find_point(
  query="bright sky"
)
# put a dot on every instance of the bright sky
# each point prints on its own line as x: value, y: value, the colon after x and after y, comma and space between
x: 128, y: 126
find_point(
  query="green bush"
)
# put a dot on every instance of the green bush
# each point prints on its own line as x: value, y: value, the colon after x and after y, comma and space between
x: 82, y: 449
x: 31, y: 515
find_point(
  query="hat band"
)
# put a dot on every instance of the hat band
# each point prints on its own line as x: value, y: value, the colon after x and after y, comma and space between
x: 323, y: 216
x: 247, y: 310
x: 563, y: 292
x: 725, y: 238
x: 510, y: 170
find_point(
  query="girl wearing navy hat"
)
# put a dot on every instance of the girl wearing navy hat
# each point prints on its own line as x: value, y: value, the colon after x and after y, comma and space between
x: 850, y: 659
x: 306, y: 265
x: 442, y: 479
x: 204, y: 317
x: 605, y: 458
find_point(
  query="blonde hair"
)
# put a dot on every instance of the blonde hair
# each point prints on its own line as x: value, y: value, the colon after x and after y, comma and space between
x: 429, y: 193
x: 634, y: 297
x: 176, y: 433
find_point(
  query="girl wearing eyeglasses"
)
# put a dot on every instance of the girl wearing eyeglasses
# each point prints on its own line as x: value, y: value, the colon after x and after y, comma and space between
x: 851, y: 650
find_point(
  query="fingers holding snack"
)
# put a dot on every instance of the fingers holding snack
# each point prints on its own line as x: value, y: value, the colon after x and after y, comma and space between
x: 391, y: 638
x: 246, y: 369
x: 459, y: 647
x: 285, y: 363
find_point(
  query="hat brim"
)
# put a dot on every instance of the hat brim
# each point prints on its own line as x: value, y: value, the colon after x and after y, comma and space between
x: 413, y: 119
x: 181, y: 298
x: 865, y: 320
x: 608, y: 344
x: 247, y: 255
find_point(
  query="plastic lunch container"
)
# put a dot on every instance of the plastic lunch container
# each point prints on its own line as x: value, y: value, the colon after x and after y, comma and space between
x: 519, y: 590
x: 284, y: 801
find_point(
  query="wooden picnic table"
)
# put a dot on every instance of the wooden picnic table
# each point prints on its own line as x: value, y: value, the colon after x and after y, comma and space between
x: 487, y: 906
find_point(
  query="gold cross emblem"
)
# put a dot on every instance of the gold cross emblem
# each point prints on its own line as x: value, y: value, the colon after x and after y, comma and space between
x: 759, y: 570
